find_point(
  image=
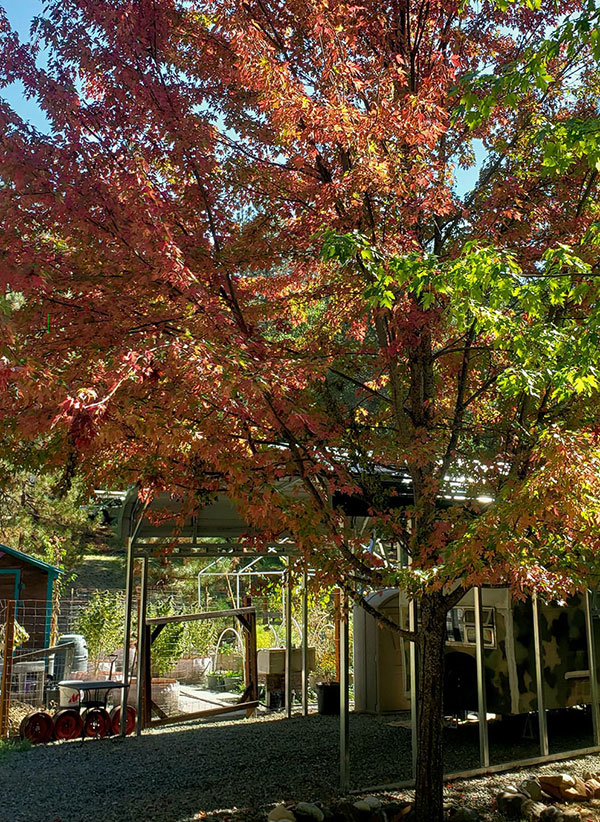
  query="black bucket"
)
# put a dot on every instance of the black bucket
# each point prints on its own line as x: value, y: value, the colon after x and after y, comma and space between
x: 328, y: 697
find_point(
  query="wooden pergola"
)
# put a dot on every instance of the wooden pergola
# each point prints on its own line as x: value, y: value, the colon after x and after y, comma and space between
x: 215, y: 529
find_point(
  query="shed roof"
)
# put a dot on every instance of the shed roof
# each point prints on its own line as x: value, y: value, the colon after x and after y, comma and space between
x: 52, y: 570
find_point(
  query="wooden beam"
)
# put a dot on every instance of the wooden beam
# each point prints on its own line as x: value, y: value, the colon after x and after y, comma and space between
x: 166, y: 620
x: 243, y: 622
x: 157, y: 630
x: 157, y: 710
x: 46, y: 651
x: 251, y: 661
x: 5, y: 682
x: 226, y: 709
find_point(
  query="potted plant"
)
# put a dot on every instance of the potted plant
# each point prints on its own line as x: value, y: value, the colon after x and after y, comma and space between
x: 215, y: 681
x: 232, y: 680
x: 327, y: 686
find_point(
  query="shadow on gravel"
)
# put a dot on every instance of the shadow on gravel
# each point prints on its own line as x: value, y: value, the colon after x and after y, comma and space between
x: 195, y: 771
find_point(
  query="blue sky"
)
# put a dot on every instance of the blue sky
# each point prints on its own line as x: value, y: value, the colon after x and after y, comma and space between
x: 20, y: 14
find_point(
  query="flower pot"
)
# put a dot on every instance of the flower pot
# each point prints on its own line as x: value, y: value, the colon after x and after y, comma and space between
x: 214, y: 682
x: 328, y: 697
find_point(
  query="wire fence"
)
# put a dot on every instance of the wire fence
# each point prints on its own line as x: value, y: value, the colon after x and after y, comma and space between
x: 194, y: 664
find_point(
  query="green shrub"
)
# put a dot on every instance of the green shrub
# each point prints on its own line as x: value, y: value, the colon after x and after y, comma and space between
x: 101, y: 622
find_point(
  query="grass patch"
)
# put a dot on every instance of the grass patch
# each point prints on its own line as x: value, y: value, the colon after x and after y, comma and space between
x: 104, y: 572
x: 8, y: 747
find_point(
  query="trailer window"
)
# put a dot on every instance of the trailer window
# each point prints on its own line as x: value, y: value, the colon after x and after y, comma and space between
x: 460, y: 627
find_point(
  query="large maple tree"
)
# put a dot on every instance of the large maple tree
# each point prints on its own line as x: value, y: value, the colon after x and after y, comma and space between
x: 240, y: 256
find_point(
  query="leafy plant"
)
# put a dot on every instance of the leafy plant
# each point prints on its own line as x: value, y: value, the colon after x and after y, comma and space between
x: 101, y: 622
x: 199, y: 637
x: 325, y: 669
x: 170, y: 644
x: 8, y: 747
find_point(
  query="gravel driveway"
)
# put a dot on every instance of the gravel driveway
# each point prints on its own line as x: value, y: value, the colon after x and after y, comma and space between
x: 185, y: 772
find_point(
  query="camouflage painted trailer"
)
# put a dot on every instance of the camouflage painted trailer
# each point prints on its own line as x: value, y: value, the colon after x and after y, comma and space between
x: 381, y: 657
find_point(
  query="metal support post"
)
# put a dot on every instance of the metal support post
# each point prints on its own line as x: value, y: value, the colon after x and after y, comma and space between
x: 147, y: 708
x: 484, y: 742
x: 344, y: 698
x: 305, y: 643
x: 412, y: 626
x: 127, y: 639
x: 141, y: 649
x: 336, y: 631
x: 593, y: 666
x: 539, y: 678
x: 288, y: 642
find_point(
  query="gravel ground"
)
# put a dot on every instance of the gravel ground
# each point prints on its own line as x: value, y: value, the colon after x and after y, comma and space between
x: 232, y: 768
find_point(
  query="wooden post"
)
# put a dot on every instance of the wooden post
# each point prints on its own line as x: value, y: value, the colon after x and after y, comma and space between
x: 5, y: 682
x: 336, y: 631
x: 250, y: 663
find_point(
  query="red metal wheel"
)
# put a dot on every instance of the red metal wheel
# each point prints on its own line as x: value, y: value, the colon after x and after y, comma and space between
x: 37, y: 727
x: 68, y: 723
x: 130, y: 717
x: 96, y: 722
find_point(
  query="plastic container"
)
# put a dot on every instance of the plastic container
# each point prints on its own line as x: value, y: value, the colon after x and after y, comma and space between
x: 328, y: 697
x: 79, y: 657
x: 30, y: 678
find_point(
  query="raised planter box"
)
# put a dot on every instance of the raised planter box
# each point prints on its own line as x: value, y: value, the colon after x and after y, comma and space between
x: 272, y: 660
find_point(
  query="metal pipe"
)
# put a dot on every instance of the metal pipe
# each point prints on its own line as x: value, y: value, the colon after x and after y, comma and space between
x: 539, y: 678
x: 288, y: 642
x: 484, y: 742
x: 414, y: 737
x: 344, y: 698
x: 336, y: 630
x: 305, y: 643
x: 242, y: 574
x: 201, y: 573
x: 141, y: 648
x: 242, y: 571
x: 127, y: 637
x: 593, y: 666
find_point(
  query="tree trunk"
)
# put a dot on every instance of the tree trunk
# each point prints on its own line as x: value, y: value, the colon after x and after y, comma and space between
x: 429, y: 785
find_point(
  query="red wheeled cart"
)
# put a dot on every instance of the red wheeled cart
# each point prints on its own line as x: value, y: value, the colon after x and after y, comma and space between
x: 87, y: 716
